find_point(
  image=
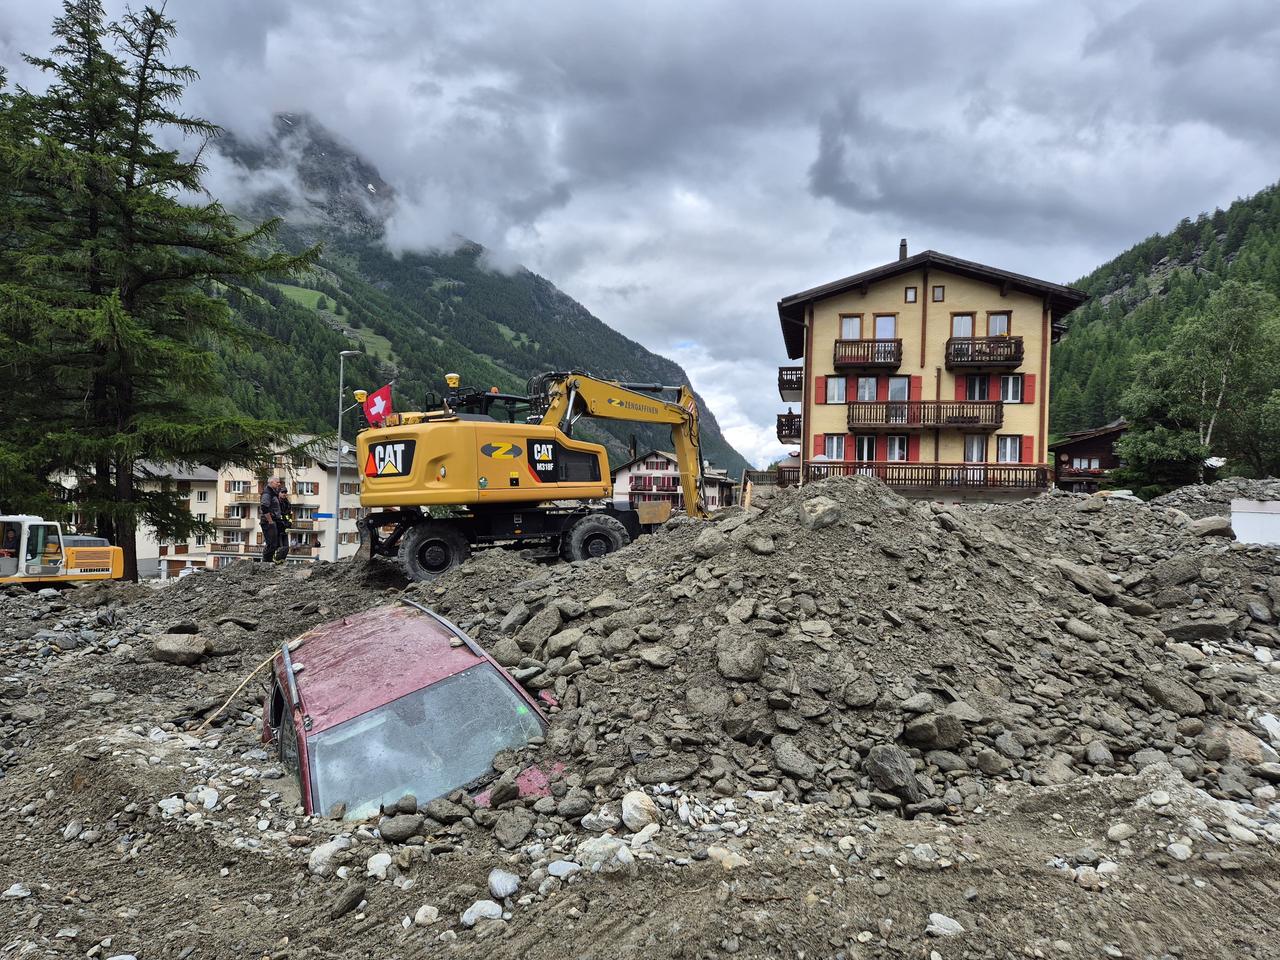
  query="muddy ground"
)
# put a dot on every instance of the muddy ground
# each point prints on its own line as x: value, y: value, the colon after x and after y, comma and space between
x: 869, y: 728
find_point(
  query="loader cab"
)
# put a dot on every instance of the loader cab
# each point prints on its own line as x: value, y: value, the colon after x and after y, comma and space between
x: 30, y: 547
x: 501, y: 407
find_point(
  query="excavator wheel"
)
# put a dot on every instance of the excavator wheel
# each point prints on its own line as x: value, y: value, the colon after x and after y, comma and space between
x: 595, y: 535
x: 429, y: 549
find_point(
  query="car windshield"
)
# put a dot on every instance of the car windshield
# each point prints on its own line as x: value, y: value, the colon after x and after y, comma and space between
x: 427, y: 743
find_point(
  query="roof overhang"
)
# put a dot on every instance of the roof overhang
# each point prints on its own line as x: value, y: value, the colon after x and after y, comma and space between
x: 1059, y: 300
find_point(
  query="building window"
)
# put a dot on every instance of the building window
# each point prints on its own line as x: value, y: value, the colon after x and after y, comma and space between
x: 866, y: 389
x: 1008, y: 449
x: 834, y: 448
x: 976, y: 386
x: 886, y: 326
x: 239, y: 486
x: 975, y: 448
x: 997, y: 325
x: 897, y: 449
x: 1011, y: 388
x: 899, y: 389
x: 909, y: 295
x: 939, y: 293
x: 851, y: 326
x: 835, y: 390
x: 202, y: 496
x: 306, y: 488
x: 1086, y: 463
x: 864, y: 447
x: 962, y: 325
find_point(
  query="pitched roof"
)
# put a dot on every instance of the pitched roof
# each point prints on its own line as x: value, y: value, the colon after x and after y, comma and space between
x: 1062, y: 299
x: 1115, y: 426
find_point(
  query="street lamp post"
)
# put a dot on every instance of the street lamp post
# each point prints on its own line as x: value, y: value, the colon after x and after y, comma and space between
x: 337, y: 458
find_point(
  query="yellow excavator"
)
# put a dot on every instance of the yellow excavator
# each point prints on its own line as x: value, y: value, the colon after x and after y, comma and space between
x: 36, y: 553
x: 488, y: 468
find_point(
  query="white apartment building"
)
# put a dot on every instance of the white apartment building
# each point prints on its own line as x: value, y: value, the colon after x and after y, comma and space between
x: 655, y: 477
x: 229, y: 499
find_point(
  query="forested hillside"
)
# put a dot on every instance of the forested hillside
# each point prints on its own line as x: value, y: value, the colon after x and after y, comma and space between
x: 1138, y: 296
x: 415, y: 316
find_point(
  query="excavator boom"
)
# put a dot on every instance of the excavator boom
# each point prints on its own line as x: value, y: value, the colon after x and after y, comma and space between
x: 573, y: 395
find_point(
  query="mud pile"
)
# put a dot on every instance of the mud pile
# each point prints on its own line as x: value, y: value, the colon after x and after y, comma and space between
x: 1214, y: 499
x: 838, y: 724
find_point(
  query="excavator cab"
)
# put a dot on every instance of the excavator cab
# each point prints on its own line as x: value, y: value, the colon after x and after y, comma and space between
x: 32, y: 552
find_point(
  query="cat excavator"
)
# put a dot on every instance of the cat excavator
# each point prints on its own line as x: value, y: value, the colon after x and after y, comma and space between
x: 487, y: 468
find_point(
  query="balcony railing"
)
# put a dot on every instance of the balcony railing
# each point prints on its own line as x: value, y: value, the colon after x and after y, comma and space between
x: 968, y: 414
x: 226, y: 548
x: 867, y: 353
x: 788, y: 476
x: 788, y: 428
x: 231, y: 523
x: 790, y: 383
x: 1002, y: 476
x: 247, y: 496
x: 1096, y: 473
x: 984, y: 352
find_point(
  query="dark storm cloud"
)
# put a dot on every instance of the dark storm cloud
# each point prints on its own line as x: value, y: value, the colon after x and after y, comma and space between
x: 678, y: 167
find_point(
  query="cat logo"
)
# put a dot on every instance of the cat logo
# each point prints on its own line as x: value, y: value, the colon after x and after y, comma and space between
x: 389, y: 459
x: 502, y: 451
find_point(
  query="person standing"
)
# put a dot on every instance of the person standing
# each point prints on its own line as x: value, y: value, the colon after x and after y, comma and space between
x: 284, y: 523
x: 269, y: 519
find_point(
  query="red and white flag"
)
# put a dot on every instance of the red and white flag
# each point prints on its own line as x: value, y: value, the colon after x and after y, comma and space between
x: 377, y: 405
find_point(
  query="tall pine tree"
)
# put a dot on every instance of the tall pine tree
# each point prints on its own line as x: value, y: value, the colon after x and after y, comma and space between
x: 110, y: 248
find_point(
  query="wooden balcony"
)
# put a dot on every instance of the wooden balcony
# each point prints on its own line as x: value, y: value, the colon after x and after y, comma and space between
x: 1083, y: 473
x: 247, y: 496
x: 303, y: 525
x: 226, y: 548
x: 232, y: 523
x: 788, y: 428
x: 791, y: 383
x: 950, y: 476
x: 974, y: 353
x: 919, y: 414
x: 867, y: 354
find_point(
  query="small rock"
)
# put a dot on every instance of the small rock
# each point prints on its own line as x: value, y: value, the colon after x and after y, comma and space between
x: 376, y: 866
x: 481, y: 910
x: 941, y: 925
x: 503, y: 883
x: 1119, y: 832
x: 727, y: 858
x: 1179, y: 851
x: 426, y: 915
x: 347, y: 900
x: 638, y: 810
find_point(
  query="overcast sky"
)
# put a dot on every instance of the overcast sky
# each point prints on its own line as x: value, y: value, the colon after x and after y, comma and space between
x: 678, y: 167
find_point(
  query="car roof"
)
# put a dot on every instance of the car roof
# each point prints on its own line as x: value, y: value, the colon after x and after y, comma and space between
x: 365, y: 660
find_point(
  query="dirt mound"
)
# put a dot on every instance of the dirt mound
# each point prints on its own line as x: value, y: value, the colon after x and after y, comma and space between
x: 840, y: 723
x: 1214, y: 499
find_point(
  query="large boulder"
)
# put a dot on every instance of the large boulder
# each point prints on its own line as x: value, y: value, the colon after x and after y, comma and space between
x: 892, y: 769
x: 1172, y: 694
x: 184, y: 649
x: 739, y: 656
x: 1213, y: 527
x: 818, y: 512
x: 791, y: 760
x: 1092, y: 580
x: 1217, y: 626
x: 934, y: 731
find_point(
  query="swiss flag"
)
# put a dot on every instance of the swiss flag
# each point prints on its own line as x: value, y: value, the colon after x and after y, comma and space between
x: 377, y: 405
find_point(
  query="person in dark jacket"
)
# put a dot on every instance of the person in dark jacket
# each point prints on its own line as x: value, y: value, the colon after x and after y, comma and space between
x: 284, y: 523
x: 269, y: 518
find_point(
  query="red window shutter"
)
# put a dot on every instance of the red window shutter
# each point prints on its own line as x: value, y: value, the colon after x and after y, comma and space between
x: 228, y: 485
x: 913, y: 446
x: 819, y: 444
x: 882, y: 389
x: 820, y: 390
x: 882, y: 448
x: 850, y: 446
x: 1029, y: 388
x: 960, y: 387
x: 917, y: 388
x: 850, y: 388
x: 993, y: 387
x: 1028, y: 449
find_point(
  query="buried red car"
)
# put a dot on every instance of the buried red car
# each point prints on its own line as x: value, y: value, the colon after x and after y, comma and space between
x: 393, y: 701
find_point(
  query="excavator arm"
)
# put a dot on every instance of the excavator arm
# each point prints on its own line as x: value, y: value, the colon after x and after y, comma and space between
x: 569, y: 396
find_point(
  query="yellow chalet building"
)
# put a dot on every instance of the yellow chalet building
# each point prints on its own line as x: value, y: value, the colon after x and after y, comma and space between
x: 930, y: 372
